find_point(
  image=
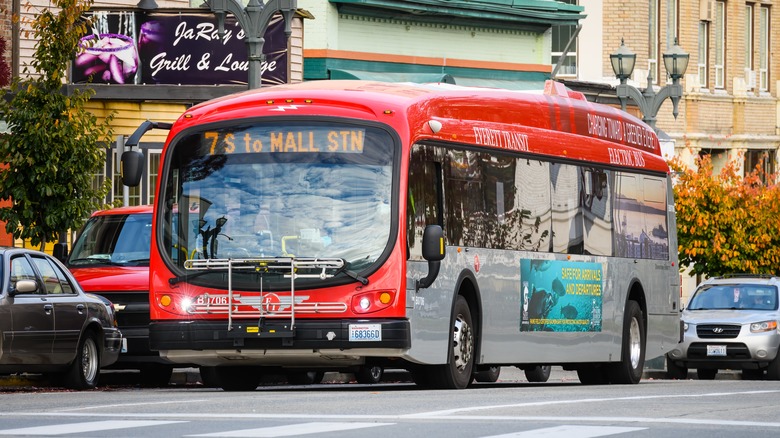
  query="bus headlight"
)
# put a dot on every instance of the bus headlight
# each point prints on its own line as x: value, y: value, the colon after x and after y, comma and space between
x: 372, y: 301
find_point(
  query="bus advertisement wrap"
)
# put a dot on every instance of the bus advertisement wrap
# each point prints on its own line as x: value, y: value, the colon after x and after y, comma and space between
x: 561, y: 296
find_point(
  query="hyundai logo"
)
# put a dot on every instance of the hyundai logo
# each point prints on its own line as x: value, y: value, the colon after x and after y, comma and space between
x: 717, y: 330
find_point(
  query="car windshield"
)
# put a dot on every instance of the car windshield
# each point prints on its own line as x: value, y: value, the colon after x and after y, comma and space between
x: 734, y: 296
x: 115, y: 239
x: 279, y: 190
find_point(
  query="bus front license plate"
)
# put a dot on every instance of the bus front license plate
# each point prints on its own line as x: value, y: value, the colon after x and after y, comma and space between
x: 716, y: 350
x: 365, y: 332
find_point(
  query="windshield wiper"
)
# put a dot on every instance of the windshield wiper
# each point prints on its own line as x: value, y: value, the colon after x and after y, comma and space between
x: 92, y: 261
x: 350, y: 274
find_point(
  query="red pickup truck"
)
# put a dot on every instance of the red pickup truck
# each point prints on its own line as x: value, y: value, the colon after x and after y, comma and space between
x: 110, y: 257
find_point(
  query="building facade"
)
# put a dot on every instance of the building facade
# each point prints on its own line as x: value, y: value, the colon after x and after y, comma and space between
x: 729, y: 107
x: 476, y: 43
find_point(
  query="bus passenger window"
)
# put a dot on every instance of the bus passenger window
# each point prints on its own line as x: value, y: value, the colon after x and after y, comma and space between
x: 423, y: 206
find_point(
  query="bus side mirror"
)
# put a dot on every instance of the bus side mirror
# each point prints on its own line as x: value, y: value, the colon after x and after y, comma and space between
x: 433, y: 251
x: 60, y: 251
x: 132, y: 167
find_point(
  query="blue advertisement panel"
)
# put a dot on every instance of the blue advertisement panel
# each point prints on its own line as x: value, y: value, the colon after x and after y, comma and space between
x: 126, y: 47
x: 561, y: 296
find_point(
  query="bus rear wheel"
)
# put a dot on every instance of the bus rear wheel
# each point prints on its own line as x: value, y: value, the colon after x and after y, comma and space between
x: 629, y: 369
x: 538, y: 373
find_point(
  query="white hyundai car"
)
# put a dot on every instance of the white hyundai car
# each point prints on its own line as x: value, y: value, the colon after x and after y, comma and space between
x: 730, y: 323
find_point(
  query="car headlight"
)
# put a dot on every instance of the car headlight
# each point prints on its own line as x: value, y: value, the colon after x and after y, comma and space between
x: 763, y: 326
x: 685, y: 326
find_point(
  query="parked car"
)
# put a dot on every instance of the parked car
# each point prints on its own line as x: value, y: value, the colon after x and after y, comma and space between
x: 730, y: 323
x: 110, y: 258
x: 49, y: 325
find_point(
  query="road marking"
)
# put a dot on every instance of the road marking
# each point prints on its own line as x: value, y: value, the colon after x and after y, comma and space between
x: 570, y: 431
x: 124, y: 405
x: 92, y: 426
x: 448, y: 412
x: 292, y: 430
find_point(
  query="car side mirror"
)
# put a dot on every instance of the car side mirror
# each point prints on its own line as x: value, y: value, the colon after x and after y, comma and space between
x: 433, y: 251
x: 24, y: 287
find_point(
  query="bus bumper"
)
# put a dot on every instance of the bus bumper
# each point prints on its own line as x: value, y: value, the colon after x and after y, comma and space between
x: 393, y: 334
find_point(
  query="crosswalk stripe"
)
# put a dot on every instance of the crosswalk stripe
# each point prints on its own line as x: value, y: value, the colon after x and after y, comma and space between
x: 569, y: 431
x: 91, y: 426
x: 291, y: 430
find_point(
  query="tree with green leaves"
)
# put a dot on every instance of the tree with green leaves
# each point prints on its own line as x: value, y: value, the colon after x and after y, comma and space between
x: 55, y: 145
x: 726, y: 223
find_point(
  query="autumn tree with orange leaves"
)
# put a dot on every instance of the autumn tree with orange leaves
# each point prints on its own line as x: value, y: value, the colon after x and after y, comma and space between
x: 726, y: 223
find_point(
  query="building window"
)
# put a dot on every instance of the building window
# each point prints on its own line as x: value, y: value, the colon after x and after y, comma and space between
x: 672, y: 26
x: 154, y: 169
x: 749, y: 36
x: 763, y: 50
x: 134, y: 193
x: 97, y: 182
x: 560, y: 39
x: 704, y: 33
x: 763, y: 159
x: 655, y: 41
x: 720, y: 44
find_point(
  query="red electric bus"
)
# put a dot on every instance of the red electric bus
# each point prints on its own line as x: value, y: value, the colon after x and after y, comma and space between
x: 441, y: 229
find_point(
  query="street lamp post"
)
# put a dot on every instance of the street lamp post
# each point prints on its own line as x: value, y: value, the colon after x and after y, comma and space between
x: 675, y: 61
x: 254, y: 20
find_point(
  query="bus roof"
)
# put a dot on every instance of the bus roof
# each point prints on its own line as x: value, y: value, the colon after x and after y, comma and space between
x: 485, y: 116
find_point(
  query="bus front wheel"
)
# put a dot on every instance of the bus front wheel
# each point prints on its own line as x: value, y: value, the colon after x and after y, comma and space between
x: 457, y: 372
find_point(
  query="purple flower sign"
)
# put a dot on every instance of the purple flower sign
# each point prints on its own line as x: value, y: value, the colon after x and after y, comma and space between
x: 176, y: 48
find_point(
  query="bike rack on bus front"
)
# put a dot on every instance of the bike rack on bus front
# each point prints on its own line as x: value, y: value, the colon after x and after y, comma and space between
x: 292, y: 268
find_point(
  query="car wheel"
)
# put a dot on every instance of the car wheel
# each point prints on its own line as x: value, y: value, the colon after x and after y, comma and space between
x: 538, y: 374
x: 773, y: 371
x: 706, y: 373
x: 752, y: 374
x: 84, y: 371
x: 488, y: 375
x: 369, y: 374
x: 674, y: 371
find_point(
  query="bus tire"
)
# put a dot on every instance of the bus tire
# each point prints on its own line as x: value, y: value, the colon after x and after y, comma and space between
x: 487, y: 375
x: 242, y: 378
x: 369, y: 374
x: 305, y: 377
x: 632, y: 362
x: 592, y: 374
x: 156, y: 375
x: 538, y: 373
x: 457, y: 372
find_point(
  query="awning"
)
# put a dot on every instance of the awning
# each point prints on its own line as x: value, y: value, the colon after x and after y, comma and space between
x: 420, y: 78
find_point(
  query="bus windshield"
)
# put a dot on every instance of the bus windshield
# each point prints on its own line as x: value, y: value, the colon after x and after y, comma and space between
x: 279, y: 190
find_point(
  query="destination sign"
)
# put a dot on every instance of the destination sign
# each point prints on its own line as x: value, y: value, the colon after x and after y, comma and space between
x: 337, y: 140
